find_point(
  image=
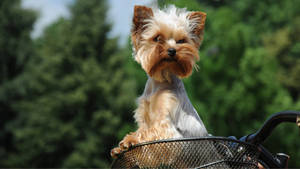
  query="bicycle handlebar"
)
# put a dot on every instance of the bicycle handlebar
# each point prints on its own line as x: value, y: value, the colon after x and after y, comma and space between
x: 264, y: 132
x: 260, y: 136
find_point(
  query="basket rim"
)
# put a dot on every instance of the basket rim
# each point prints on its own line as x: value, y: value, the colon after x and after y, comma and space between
x: 191, y: 139
x: 186, y: 139
x: 213, y: 138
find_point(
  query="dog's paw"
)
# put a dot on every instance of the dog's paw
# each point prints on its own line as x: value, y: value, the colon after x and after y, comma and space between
x: 115, y: 152
x: 128, y: 142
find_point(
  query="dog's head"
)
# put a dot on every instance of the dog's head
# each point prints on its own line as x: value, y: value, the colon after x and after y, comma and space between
x: 166, y: 41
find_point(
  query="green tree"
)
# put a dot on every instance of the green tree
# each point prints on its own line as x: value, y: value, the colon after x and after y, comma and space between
x: 285, y: 47
x: 78, y: 99
x: 248, y: 68
x: 15, y: 50
x: 67, y: 99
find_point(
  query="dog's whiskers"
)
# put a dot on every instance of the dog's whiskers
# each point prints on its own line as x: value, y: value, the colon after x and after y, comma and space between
x: 196, y: 67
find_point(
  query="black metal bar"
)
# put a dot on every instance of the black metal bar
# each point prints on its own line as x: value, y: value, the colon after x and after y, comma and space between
x: 268, y: 158
x: 212, y: 138
x: 226, y: 162
x: 260, y: 136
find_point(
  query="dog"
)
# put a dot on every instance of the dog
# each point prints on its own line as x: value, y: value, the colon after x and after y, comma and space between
x: 165, y: 44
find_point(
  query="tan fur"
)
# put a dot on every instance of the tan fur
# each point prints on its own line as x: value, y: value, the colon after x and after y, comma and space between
x: 154, y: 125
x: 141, y: 13
x: 164, y: 99
x: 200, y: 17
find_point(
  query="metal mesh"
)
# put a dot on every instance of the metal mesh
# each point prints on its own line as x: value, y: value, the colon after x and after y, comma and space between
x: 212, y: 152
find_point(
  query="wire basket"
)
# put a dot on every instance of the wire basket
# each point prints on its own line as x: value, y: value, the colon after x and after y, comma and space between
x: 208, y: 152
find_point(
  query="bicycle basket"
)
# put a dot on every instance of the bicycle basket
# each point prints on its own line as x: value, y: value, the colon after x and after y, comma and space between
x: 208, y: 152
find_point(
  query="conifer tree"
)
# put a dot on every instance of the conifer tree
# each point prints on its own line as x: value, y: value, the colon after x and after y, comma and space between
x: 78, y: 98
x: 16, y: 48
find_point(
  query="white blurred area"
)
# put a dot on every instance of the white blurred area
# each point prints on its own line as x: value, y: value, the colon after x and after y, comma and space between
x: 119, y: 14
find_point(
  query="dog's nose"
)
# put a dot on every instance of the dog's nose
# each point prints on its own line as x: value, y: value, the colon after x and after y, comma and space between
x: 171, y: 52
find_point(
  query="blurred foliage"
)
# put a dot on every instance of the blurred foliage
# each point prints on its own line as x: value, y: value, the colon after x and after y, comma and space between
x: 68, y: 97
x: 16, y: 47
x: 74, y: 93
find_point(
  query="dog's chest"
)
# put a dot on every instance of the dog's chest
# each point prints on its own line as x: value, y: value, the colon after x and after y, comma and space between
x: 157, y: 113
x: 160, y: 107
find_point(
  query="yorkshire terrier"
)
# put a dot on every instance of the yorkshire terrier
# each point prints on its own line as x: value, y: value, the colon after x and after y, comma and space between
x: 165, y: 43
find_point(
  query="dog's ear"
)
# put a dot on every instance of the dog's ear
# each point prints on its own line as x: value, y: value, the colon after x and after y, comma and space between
x: 140, y: 16
x: 197, y: 19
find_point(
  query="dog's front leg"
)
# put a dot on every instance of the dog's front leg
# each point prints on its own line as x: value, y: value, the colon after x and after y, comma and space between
x: 128, y: 141
x: 142, y: 118
x: 153, y: 119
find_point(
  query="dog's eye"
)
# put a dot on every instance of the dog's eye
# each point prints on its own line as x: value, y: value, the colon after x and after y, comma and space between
x: 181, y: 41
x: 156, y: 38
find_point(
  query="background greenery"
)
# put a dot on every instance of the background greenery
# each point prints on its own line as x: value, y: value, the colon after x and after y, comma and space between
x: 68, y: 97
